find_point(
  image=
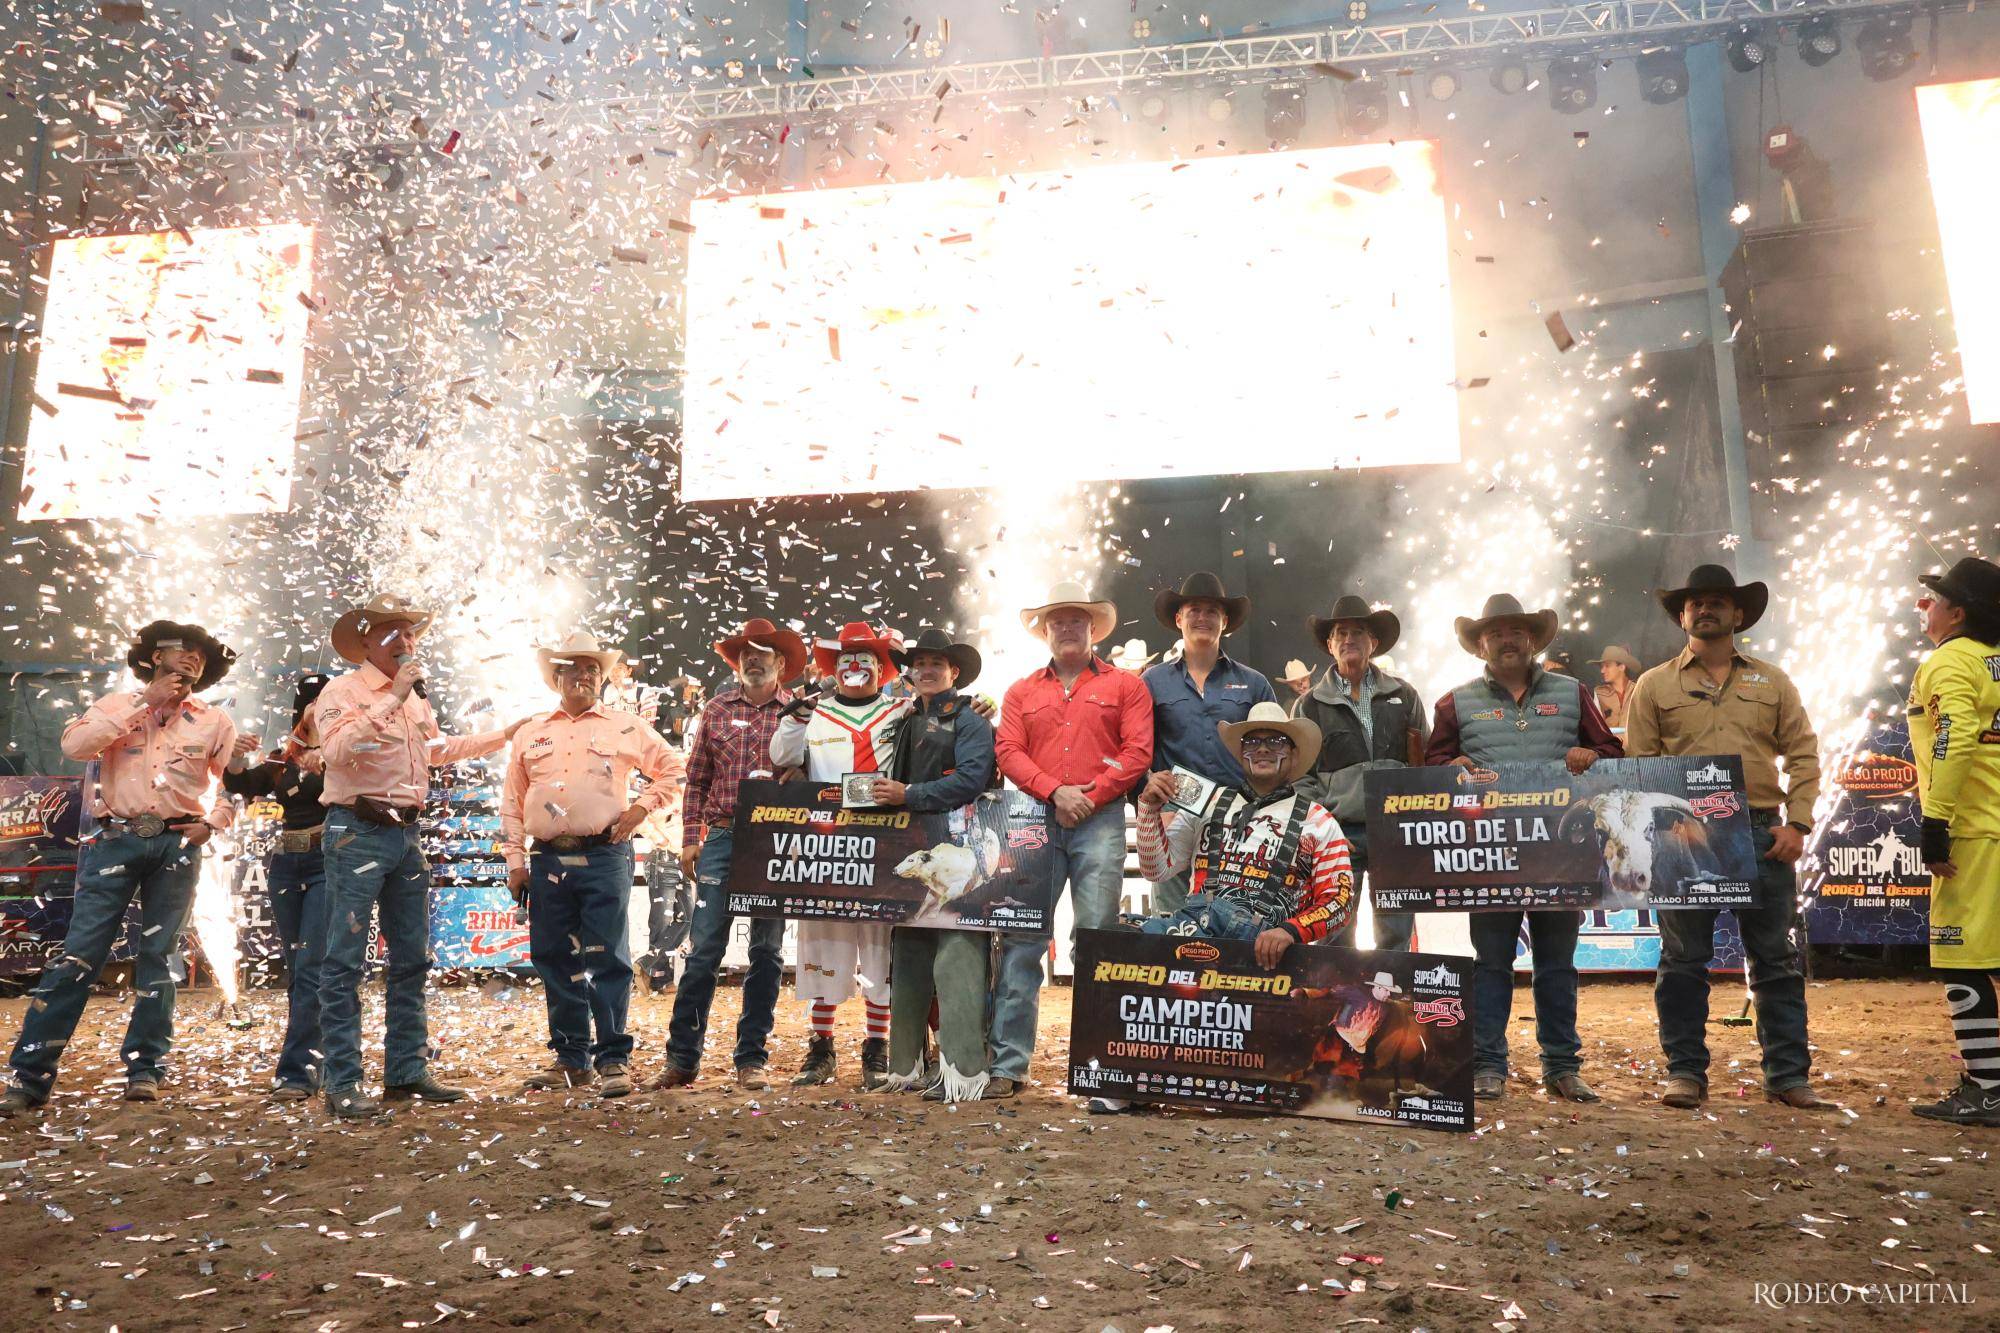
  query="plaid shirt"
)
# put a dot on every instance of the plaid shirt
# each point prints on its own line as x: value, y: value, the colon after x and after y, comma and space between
x: 732, y: 741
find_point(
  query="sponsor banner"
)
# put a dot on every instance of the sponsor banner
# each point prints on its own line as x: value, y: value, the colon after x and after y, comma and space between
x: 38, y: 820
x: 1864, y: 875
x: 1626, y: 833
x: 798, y: 853
x: 1339, y: 1034
x: 475, y: 925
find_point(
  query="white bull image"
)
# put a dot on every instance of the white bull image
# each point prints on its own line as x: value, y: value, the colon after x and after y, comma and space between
x: 949, y: 870
x: 1631, y: 828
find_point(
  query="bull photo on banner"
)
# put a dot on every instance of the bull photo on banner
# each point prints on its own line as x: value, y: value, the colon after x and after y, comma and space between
x: 1333, y: 1033
x: 798, y: 853
x: 1622, y: 835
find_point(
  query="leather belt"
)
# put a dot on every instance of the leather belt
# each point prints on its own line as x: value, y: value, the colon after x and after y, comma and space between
x: 296, y: 840
x: 139, y: 826
x: 381, y: 814
x: 571, y: 842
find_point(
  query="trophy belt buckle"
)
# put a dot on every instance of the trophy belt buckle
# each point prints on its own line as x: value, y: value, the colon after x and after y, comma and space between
x: 147, y: 826
x: 567, y: 842
x: 298, y: 840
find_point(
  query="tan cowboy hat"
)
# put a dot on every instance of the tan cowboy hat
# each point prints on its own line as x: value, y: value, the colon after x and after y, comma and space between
x: 1620, y: 654
x: 1506, y: 606
x: 785, y: 643
x: 351, y: 630
x: 1271, y: 717
x: 1387, y: 983
x: 1103, y: 615
x: 1295, y: 670
x: 575, y: 646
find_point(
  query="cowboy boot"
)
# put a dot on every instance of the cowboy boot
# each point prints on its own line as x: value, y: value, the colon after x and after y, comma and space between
x: 874, y: 1063
x: 818, y: 1067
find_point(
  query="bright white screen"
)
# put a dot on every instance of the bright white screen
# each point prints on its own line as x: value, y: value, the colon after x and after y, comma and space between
x: 169, y: 375
x: 1263, y: 313
x: 1961, y: 123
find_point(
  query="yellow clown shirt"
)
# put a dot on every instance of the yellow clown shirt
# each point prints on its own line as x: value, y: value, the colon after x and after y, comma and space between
x: 1955, y: 738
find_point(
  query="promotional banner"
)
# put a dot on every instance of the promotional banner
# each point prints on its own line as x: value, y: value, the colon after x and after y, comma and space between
x: 1624, y: 834
x: 475, y: 925
x: 38, y: 820
x: 1865, y: 878
x: 798, y: 853
x: 1339, y: 1034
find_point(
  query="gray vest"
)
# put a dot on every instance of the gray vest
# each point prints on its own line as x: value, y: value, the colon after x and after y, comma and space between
x: 1493, y: 729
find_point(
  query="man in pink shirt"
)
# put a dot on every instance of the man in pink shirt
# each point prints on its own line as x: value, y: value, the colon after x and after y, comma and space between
x: 157, y: 752
x: 568, y: 788
x: 380, y: 740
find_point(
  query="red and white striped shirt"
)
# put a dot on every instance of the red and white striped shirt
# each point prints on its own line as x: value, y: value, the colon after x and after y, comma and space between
x: 1324, y: 865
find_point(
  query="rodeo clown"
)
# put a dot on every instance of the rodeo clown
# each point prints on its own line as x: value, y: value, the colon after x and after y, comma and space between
x: 1266, y: 864
x: 942, y: 760
x: 850, y: 730
x: 1954, y: 702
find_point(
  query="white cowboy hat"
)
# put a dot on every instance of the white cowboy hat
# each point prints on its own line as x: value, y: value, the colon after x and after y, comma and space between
x: 1131, y: 655
x: 575, y: 646
x: 1271, y: 717
x: 1387, y: 983
x: 1295, y: 670
x: 1103, y: 615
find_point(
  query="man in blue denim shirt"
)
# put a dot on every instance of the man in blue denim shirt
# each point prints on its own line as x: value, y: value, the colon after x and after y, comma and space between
x: 1193, y: 695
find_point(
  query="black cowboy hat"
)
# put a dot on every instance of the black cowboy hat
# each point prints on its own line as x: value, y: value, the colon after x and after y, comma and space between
x: 1382, y: 624
x: 215, y: 657
x: 933, y: 640
x: 1505, y: 606
x: 1750, y: 598
x: 1200, y: 586
x: 1972, y: 583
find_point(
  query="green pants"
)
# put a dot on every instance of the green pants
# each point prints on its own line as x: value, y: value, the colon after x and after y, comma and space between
x: 950, y: 966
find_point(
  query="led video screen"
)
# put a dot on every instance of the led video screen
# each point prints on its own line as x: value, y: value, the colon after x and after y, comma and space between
x: 1262, y: 313
x: 168, y: 383
x: 1961, y: 124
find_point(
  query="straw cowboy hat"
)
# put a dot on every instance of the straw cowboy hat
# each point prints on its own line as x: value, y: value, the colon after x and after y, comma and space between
x: 1271, y: 717
x: 1382, y: 624
x: 1620, y: 654
x: 574, y: 648
x: 1295, y: 670
x: 933, y: 640
x: 1506, y: 606
x: 1131, y: 655
x: 1103, y: 615
x: 857, y: 636
x: 786, y: 644
x: 350, y: 632
x: 1750, y: 598
x: 1200, y: 586
x: 216, y: 657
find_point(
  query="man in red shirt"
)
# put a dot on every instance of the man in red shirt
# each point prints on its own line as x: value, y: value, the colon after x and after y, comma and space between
x: 1077, y: 735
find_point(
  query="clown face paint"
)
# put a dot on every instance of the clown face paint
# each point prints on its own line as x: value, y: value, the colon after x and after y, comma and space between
x: 856, y: 673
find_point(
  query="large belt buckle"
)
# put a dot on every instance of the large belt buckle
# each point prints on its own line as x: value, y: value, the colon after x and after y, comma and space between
x: 147, y: 826
x: 566, y: 842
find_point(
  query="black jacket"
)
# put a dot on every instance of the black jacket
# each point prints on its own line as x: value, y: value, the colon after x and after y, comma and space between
x: 297, y: 793
x: 944, y: 752
x: 1401, y: 729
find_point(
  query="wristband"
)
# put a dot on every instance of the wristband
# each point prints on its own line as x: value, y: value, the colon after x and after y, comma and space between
x: 1802, y: 828
x: 1935, y: 841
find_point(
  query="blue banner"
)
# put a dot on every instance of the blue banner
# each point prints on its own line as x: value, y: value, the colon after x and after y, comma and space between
x: 1865, y: 880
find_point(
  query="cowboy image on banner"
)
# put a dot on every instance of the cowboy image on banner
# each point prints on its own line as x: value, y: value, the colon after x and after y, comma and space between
x: 799, y: 851
x: 1656, y: 833
x: 1331, y: 1032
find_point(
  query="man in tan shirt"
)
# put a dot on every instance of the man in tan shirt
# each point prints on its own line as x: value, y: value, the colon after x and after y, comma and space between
x: 568, y: 788
x: 1713, y: 699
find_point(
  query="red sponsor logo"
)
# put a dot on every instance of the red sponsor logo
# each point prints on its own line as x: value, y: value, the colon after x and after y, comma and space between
x: 1716, y: 805
x: 479, y: 919
x: 1198, y: 951
x: 1447, y: 1012
x: 1878, y: 777
x: 484, y: 945
x: 1547, y: 710
x: 1477, y: 777
x: 828, y: 794
x: 1032, y: 838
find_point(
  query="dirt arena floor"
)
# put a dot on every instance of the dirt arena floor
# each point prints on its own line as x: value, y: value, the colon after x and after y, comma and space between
x: 834, y: 1209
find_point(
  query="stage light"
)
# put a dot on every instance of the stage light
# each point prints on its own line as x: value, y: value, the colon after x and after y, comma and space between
x: 1747, y: 49
x: 1142, y: 29
x: 1884, y: 48
x: 1819, y: 40
x: 1442, y: 85
x: 1153, y: 106
x: 1364, y: 108
x: 1510, y: 77
x: 1572, y: 85
x: 1357, y: 11
x: 1220, y: 109
x: 1960, y: 123
x: 1284, y: 111
x: 1663, y: 77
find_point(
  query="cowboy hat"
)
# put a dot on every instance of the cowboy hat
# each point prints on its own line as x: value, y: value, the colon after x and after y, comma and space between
x: 786, y: 644
x: 216, y: 658
x: 350, y: 632
x: 1386, y: 982
x: 1103, y: 615
x: 1131, y: 655
x: 1619, y: 654
x: 1304, y: 733
x: 1200, y: 586
x: 857, y: 636
x: 1971, y: 583
x: 1505, y: 606
x: 1295, y: 670
x: 930, y: 639
x: 1750, y: 598
x: 575, y: 647
x: 1382, y: 624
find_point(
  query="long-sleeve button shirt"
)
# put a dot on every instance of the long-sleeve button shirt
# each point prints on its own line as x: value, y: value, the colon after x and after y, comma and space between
x: 1184, y: 718
x: 297, y: 792
x: 1756, y: 713
x: 1322, y: 907
x: 1096, y: 734
x: 572, y: 773
x: 732, y: 741
x: 378, y: 748
x: 1592, y: 731
x: 153, y: 765
x: 1954, y: 701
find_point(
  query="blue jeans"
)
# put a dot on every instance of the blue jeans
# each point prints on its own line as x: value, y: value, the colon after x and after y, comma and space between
x: 576, y: 940
x: 370, y: 866
x: 1771, y: 940
x: 1206, y: 918
x: 1552, y: 941
x: 1090, y: 859
x: 161, y: 871
x: 708, y: 939
x: 298, y: 906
